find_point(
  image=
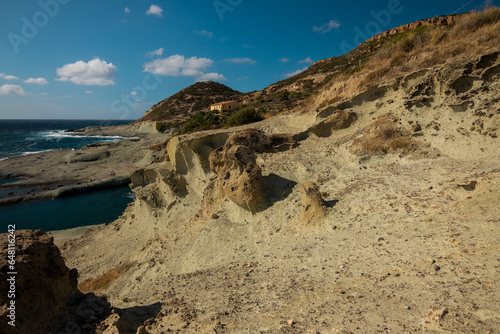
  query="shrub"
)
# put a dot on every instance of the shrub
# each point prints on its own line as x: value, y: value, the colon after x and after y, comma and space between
x: 243, y: 116
x: 398, y: 59
x: 202, y: 121
x: 356, y: 69
x: 283, y: 95
x: 437, y: 36
x: 410, y: 34
x: 162, y: 127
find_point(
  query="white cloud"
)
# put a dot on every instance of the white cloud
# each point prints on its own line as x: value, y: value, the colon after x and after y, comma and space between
x: 38, y: 81
x: 289, y: 75
x: 158, y: 52
x: 134, y: 93
x: 11, y: 90
x: 308, y: 60
x: 44, y: 94
x: 324, y: 28
x: 178, y: 65
x: 126, y: 10
x: 8, y: 77
x: 204, y: 33
x: 211, y: 77
x: 241, y: 61
x: 155, y: 10
x: 284, y: 60
x: 94, y: 73
x: 88, y: 92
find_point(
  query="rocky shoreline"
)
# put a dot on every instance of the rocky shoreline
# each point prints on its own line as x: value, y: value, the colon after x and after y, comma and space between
x: 93, y: 167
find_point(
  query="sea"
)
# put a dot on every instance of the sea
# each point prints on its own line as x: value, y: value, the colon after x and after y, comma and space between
x: 23, y: 137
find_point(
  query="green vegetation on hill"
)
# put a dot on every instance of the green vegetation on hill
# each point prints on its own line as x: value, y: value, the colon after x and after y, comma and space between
x: 205, y: 120
x: 243, y: 116
x: 189, y: 101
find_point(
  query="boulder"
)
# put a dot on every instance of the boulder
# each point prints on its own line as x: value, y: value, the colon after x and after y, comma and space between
x: 313, y: 208
x: 238, y: 175
x: 45, y: 296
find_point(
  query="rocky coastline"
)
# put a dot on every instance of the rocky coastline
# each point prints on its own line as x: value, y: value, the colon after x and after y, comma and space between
x: 375, y: 211
x: 93, y: 167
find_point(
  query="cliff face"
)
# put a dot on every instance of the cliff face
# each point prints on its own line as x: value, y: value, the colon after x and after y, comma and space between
x: 380, y: 208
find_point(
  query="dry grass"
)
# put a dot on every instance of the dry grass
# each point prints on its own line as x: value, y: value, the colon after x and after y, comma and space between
x: 381, y: 137
x: 475, y: 21
x: 472, y: 34
x: 339, y: 87
x: 102, y: 282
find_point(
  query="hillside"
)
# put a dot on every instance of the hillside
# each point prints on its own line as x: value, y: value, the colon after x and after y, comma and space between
x: 187, y: 102
x: 402, y: 50
x: 396, y: 52
x: 378, y: 213
x: 371, y: 206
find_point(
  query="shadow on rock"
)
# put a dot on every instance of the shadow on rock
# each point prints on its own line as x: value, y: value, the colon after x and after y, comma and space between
x: 331, y: 203
x: 275, y: 188
x: 130, y: 319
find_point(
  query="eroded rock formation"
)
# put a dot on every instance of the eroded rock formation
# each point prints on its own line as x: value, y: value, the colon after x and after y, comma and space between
x: 313, y: 208
x: 340, y: 119
x: 238, y: 175
x: 46, y: 297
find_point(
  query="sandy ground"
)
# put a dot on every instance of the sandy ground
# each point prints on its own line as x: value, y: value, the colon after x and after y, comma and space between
x: 62, y: 236
x: 410, y: 241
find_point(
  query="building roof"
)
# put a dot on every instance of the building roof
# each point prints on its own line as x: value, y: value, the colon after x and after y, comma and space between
x: 223, y: 103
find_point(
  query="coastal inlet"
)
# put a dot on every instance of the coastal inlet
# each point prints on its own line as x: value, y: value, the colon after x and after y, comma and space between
x: 79, y: 178
x: 64, y: 213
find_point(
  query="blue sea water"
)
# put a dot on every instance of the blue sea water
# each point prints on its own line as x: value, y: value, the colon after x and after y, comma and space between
x: 20, y: 137
x: 62, y: 213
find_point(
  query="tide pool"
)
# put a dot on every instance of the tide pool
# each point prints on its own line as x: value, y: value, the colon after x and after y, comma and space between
x: 63, y: 213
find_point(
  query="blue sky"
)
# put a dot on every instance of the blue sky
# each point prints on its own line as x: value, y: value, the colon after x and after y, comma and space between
x: 114, y: 59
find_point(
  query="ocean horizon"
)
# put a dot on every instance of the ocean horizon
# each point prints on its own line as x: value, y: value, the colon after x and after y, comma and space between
x: 29, y: 136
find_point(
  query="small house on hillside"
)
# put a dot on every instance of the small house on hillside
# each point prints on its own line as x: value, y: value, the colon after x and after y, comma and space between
x: 226, y: 106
